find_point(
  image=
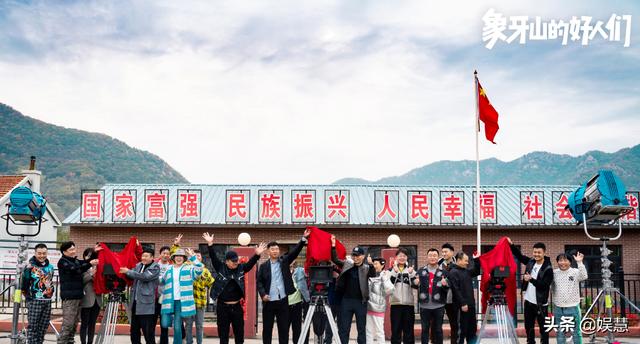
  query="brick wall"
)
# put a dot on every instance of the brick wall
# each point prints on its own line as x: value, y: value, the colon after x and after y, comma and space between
x: 554, y: 237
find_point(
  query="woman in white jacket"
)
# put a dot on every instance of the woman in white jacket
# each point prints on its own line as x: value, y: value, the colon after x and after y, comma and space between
x: 379, y: 288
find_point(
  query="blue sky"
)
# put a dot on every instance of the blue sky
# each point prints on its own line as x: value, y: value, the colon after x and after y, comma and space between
x: 313, y: 91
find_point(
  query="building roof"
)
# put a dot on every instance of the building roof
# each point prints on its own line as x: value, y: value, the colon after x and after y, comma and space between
x: 7, y: 183
x: 364, y: 204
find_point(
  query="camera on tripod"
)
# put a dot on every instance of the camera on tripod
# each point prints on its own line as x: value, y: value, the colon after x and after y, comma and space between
x: 497, y: 283
x: 320, y: 277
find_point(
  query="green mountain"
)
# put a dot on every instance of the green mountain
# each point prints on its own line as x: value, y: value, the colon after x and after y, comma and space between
x: 71, y: 160
x: 537, y: 168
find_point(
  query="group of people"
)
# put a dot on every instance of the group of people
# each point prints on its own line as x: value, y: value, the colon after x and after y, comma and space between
x: 176, y: 286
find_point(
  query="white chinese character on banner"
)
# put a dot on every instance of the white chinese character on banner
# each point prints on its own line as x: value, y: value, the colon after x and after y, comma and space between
x: 494, y: 25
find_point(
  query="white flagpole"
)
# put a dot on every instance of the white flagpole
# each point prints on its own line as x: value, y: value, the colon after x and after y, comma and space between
x: 477, y: 203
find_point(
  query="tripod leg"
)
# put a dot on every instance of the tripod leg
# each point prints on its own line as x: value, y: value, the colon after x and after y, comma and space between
x: 332, y: 323
x: 631, y: 304
x: 307, y: 323
x: 484, y: 322
x: 510, y: 328
x: 55, y: 330
x: 594, y: 303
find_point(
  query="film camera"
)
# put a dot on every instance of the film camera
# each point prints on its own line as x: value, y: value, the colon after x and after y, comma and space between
x: 497, y: 283
x: 320, y: 277
x: 113, y: 283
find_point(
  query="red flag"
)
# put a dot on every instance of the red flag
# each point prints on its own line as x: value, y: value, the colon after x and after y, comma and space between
x: 128, y: 257
x: 500, y: 256
x: 487, y: 114
x: 319, y: 247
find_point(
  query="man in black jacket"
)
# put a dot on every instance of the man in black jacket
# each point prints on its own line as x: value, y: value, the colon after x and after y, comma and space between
x: 70, y: 271
x: 228, y: 289
x: 274, y: 286
x: 461, y: 283
x: 432, y: 296
x: 537, y: 279
x: 446, y: 263
x: 353, y: 285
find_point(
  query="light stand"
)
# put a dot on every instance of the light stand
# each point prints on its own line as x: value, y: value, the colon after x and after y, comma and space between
x: 16, y: 336
x: 608, y: 290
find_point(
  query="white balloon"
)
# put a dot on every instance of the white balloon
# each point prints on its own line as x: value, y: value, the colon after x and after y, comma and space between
x: 393, y: 240
x: 244, y: 239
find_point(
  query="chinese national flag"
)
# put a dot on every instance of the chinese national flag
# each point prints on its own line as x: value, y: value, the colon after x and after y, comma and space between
x: 487, y: 114
x: 319, y: 247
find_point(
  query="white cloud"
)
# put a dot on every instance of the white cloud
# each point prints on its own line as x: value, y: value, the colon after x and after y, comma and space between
x: 298, y: 93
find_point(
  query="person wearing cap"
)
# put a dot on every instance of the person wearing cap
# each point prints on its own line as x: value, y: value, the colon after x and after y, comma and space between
x: 177, y: 301
x: 402, y: 301
x: 380, y: 287
x: 142, y: 299
x: 353, y: 284
x: 275, y: 284
x: 228, y: 289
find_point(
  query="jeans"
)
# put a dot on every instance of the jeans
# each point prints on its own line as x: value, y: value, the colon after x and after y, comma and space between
x: 348, y: 309
x: 198, y: 319
x: 176, y: 320
x: 572, y: 312
x: 402, y: 320
x: 431, y: 321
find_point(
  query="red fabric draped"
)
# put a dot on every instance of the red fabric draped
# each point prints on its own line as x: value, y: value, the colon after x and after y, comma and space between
x: 128, y: 257
x: 319, y: 247
x: 500, y: 256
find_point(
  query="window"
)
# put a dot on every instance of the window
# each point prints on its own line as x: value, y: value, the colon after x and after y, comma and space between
x: 119, y: 246
x: 219, y: 249
x: 592, y: 258
x: 375, y: 251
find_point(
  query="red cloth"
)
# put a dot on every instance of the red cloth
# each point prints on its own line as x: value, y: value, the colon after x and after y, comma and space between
x: 500, y: 256
x: 487, y: 114
x: 319, y: 247
x: 431, y: 278
x: 128, y: 257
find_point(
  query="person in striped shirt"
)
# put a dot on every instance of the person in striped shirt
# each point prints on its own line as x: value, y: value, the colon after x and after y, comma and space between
x: 177, y: 300
x: 200, y: 294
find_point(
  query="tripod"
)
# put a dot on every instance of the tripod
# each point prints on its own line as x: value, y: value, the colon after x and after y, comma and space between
x: 608, y: 290
x: 325, y: 310
x: 504, y: 320
x: 110, y: 318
